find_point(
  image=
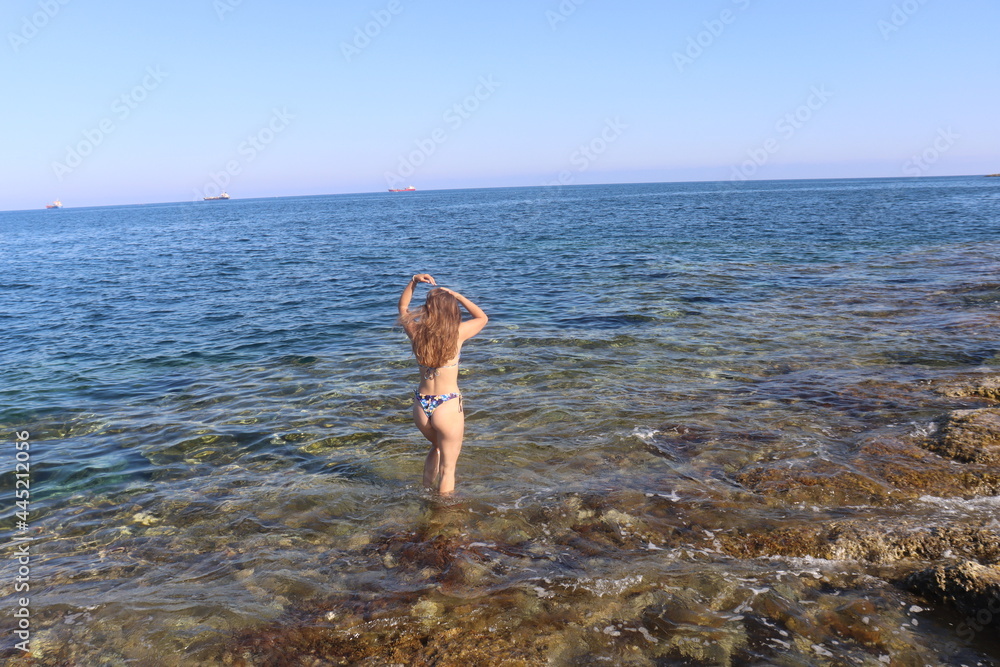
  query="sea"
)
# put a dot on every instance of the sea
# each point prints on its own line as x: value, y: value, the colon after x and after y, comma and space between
x: 680, y: 388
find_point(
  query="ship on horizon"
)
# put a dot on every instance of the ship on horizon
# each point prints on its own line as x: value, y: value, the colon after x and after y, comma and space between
x: 222, y: 196
x: 409, y: 189
x: 55, y: 204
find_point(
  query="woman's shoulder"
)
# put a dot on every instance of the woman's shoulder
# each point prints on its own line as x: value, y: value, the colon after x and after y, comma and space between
x: 469, y: 328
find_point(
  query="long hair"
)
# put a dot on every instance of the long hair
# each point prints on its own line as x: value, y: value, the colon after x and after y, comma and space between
x: 434, y: 328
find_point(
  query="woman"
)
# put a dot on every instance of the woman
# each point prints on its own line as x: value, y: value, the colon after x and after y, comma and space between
x: 436, y: 332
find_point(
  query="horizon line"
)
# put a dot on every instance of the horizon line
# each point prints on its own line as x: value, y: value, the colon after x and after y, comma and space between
x: 502, y: 187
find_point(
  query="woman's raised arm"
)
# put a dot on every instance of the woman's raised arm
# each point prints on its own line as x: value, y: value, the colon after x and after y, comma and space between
x: 407, y: 295
x: 469, y: 328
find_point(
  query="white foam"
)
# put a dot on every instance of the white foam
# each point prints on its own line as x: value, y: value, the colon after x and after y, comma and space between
x: 543, y: 593
x: 923, y: 430
x: 672, y: 497
x: 645, y: 433
x: 960, y: 507
x: 821, y: 650
x: 488, y: 545
x: 602, y: 587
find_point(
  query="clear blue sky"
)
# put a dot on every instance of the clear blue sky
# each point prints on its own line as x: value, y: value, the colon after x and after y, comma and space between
x: 886, y: 79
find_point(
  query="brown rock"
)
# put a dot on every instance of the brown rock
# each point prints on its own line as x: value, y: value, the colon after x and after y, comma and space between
x: 399, y: 628
x: 805, y: 540
x: 970, y: 436
x: 821, y: 482
x: 882, y: 544
x: 847, y: 625
x: 986, y: 386
x: 971, y: 588
x: 887, y: 470
x: 907, y: 465
x: 864, y: 542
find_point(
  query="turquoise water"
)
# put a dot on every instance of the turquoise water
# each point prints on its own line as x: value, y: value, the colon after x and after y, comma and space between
x: 218, y: 405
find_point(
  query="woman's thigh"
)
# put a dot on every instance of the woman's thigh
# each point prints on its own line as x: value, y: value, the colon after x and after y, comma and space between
x: 448, y: 421
x: 423, y: 423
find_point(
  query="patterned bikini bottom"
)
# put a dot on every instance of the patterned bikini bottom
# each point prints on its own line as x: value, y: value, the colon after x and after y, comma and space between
x: 431, y: 402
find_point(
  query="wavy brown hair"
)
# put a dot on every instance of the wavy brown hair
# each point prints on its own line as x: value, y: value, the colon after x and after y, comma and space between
x: 434, y: 328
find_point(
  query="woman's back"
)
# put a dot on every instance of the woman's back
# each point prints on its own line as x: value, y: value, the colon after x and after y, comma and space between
x: 440, y: 379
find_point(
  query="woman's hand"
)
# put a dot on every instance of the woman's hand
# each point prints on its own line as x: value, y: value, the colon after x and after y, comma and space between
x: 423, y: 278
x: 404, y: 299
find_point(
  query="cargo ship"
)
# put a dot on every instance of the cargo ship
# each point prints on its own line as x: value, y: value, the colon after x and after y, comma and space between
x: 409, y: 189
x: 55, y: 204
x: 222, y: 196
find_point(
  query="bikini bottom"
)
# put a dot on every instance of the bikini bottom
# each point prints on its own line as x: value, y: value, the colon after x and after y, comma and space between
x: 431, y: 402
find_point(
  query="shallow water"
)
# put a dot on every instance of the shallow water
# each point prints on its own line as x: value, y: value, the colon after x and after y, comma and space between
x: 223, y: 460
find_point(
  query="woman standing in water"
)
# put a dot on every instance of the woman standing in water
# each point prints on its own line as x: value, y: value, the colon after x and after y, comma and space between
x: 436, y: 332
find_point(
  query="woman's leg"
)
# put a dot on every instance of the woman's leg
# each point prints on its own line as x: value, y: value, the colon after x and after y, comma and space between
x: 449, y: 427
x: 432, y: 464
x: 432, y: 467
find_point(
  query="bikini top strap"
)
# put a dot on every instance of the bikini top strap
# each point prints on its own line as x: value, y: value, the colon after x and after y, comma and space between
x: 431, y: 372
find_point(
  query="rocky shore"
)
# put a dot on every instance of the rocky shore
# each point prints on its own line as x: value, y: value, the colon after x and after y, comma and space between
x: 850, y: 583
x: 825, y: 560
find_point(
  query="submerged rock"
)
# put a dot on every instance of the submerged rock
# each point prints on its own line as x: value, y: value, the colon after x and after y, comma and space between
x: 881, y: 544
x: 983, y: 386
x: 865, y: 541
x: 972, y: 589
x: 377, y: 630
x: 970, y: 436
x: 883, y: 470
x: 821, y: 482
x: 912, y: 470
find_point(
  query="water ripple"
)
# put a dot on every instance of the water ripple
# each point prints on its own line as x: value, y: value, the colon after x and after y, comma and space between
x: 219, y: 404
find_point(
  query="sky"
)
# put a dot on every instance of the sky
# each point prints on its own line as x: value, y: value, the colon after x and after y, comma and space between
x: 124, y: 102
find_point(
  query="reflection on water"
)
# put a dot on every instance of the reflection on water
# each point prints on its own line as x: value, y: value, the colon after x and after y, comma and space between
x: 686, y: 443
